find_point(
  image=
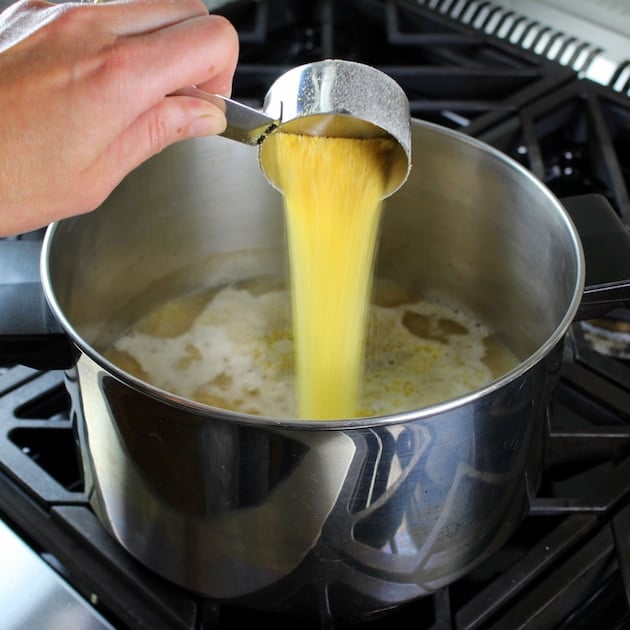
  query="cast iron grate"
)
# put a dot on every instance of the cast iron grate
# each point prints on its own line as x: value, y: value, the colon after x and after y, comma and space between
x: 575, y: 140
x: 452, y: 74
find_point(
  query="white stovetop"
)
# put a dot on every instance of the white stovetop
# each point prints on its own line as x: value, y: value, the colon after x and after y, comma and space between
x: 34, y: 597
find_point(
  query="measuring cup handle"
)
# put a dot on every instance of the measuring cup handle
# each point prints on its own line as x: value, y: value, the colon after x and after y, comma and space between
x: 244, y: 124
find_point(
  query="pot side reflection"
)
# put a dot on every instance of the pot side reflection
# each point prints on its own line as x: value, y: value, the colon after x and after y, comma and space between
x: 271, y: 517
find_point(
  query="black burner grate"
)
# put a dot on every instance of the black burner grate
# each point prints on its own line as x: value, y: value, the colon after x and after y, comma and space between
x: 576, y: 140
x: 452, y: 74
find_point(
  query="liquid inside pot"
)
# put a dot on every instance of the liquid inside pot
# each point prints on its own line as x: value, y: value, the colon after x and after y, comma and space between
x: 232, y: 347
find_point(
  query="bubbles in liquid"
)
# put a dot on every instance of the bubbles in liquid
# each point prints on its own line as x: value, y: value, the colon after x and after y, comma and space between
x: 320, y: 350
x: 233, y: 348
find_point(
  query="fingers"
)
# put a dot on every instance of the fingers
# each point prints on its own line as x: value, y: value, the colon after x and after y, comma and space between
x: 221, y: 75
x: 174, y: 118
x: 142, y: 16
x: 85, y: 91
x: 124, y: 18
x: 212, y: 65
x: 169, y: 27
x: 176, y: 42
x: 134, y: 75
x: 196, y: 51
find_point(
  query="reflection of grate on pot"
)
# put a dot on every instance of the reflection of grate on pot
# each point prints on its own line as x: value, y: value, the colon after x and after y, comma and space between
x: 452, y: 74
x: 575, y: 140
x: 571, y: 554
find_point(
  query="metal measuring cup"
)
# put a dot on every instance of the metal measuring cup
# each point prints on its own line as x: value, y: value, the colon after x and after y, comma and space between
x: 332, y: 98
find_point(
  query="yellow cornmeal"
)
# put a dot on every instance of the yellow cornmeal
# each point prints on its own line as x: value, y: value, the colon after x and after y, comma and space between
x: 332, y: 189
x: 233, y: 348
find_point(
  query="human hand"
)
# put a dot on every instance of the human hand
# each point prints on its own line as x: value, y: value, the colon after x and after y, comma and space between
x: 84, y: 97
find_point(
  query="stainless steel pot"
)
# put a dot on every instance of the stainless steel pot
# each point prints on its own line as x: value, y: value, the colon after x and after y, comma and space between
x: 353, y: 516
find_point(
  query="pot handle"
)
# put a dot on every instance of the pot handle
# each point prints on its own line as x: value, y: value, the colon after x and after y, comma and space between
x: 606, y: 242
x: 29, y: 333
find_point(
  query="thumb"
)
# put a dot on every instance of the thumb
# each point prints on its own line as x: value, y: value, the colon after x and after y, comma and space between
x: 173, y: 119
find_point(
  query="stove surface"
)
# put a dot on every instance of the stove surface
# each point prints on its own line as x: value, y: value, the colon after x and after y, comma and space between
x: 452, y: 75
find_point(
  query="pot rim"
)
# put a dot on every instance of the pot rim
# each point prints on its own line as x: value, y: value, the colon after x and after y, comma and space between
x: 424, y: 413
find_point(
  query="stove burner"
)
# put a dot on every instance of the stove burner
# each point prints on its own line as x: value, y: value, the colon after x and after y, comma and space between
x: 575, y: 141
x: 452, y: 74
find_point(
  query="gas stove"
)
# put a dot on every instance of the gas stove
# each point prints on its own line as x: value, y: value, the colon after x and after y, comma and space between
x: 590, y: 36
x: 568, y: 565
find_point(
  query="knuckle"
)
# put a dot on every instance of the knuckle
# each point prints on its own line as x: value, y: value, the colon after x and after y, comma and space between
x: 68, y: 16
x: 157, y: 132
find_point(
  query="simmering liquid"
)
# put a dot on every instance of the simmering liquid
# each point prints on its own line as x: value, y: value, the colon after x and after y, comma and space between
x: 332, y: 189
x: 232, y: 347
x: 320, y: 350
